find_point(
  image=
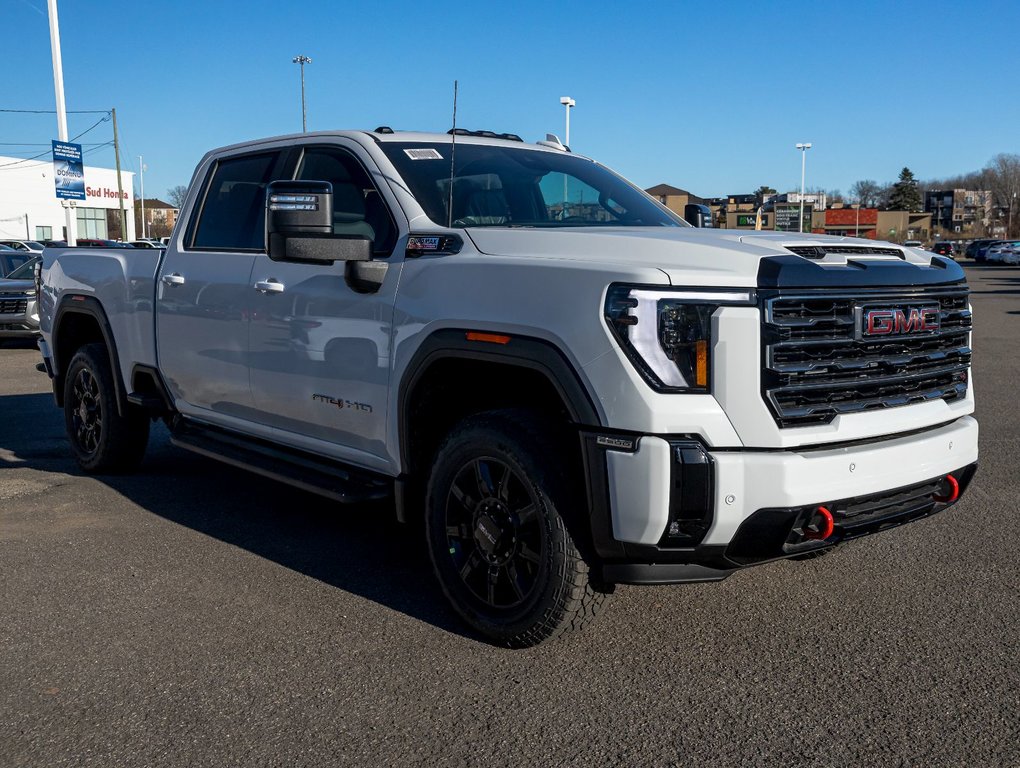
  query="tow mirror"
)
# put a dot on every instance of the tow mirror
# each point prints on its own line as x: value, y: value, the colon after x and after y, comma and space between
x: 299, y: 225
x: 698, y: 215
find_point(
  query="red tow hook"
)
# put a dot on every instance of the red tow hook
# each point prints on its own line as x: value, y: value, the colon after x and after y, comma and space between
x: 954, y: 491
x: 824, y: 528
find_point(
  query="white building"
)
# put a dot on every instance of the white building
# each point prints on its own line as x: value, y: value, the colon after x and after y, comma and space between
x: 30, y: 210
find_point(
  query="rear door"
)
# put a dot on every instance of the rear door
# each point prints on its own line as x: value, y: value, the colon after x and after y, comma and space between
x: 320, y: 351
x: 204, y: 291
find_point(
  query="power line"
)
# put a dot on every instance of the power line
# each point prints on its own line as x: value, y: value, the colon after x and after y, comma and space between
x: 43, y: 154
x: 53, y: 111
x: 38, y: 143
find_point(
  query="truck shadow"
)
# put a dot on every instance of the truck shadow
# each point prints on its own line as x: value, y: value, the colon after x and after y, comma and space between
x: 360, y: 549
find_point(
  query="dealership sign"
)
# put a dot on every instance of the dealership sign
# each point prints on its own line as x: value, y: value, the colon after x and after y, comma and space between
x: 68, y: 171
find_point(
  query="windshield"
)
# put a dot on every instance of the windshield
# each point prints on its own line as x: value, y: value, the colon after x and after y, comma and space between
x: 506, y: 186
x: 26, y: 270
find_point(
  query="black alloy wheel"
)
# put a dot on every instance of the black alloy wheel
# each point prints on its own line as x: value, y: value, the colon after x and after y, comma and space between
x: 86, y: 411
x: 494, y: 536
x: 102, y: 438
x: 497, y: 507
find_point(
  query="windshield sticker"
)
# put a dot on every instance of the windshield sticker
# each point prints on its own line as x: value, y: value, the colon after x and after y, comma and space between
x: 423, y: 154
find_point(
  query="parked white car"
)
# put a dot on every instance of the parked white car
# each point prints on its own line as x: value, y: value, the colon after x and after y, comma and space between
x: 1010, y: 254
x: 27, y: 246
x: 997, y: 253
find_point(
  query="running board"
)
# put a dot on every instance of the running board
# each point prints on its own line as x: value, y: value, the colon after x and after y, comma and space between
x: 302, y: 470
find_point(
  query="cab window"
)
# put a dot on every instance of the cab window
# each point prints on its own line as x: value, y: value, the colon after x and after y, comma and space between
x: 358, y: 208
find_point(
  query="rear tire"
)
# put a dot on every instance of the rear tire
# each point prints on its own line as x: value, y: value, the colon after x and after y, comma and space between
x: 101, y: 439
x: 496, y: 525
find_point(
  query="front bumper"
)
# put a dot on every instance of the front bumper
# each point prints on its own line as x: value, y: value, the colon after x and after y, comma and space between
x: 760, y: 500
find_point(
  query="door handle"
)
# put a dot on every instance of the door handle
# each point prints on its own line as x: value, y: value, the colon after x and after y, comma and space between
x: 272, y: 285
x: 173, y: 278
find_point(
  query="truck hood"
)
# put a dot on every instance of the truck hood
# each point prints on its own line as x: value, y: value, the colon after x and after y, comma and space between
x: 9, y: 286
x: 706, y: 257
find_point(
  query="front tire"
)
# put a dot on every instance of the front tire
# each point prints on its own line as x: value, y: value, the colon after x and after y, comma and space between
x: 498, y: 536
x: 101, y: 439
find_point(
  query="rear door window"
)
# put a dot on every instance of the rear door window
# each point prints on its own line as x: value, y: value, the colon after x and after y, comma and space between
x: 233, y: 214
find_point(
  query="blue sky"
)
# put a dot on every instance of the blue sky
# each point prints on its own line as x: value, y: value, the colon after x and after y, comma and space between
x: 708, y: 97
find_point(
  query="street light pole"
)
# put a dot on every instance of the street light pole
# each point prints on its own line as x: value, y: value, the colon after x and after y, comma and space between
x: 803, y: 159
x: 302, y: 60
x: 567, y: 102
x: 141, y: 175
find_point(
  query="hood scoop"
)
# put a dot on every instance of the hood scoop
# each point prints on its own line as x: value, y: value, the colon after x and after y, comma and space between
x: 819, y: 252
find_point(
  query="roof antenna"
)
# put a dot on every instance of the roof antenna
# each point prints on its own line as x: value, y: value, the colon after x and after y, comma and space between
x: 453, y: 155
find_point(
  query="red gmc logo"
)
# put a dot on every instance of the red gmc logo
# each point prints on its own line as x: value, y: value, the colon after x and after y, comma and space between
x: 898, y: 322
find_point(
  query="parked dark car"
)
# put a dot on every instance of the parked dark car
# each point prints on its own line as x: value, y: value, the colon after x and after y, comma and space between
x: 943, y: 248
x: 978, y: 250
x: 19, y: 311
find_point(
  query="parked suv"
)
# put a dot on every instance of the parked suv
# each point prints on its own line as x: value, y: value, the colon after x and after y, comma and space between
x: 19, y: 306
x: 943, y: 248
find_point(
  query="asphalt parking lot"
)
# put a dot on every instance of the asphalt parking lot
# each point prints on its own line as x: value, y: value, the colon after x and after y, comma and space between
x: 197, y: 615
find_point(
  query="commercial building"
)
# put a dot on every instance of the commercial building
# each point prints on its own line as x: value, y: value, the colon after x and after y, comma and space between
x: 29, y: 207
x: 674, y: 198
x: 873, y: 224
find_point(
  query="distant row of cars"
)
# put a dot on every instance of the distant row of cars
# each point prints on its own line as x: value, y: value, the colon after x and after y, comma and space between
x: 994, y: 251
x: 36, y: 246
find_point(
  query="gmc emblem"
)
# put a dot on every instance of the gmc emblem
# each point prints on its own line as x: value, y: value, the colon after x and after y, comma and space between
x: 889, y: 321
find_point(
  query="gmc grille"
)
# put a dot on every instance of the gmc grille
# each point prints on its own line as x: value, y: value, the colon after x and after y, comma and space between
x: 817, y: 365
x: 13, y: 306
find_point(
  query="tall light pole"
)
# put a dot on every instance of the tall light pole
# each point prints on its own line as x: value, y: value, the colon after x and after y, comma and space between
x: 141, y: 176
x: 302, y: 60
x: 803, y: 159
x: 70, y: 217
x: 567, y: 102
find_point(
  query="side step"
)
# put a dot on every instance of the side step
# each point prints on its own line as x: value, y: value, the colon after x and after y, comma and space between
x: 303, y: 470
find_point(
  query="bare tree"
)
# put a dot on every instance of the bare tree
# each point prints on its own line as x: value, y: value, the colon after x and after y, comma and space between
x: 176, y: 195
x: 1004, y: 181
x: 866, y: 192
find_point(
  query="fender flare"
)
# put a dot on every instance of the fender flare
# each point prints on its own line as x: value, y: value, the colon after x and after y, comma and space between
x: 77, y: 304
x: 522, y: 351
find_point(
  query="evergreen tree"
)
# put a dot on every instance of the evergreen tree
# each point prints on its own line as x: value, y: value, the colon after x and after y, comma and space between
x: 905, y: 194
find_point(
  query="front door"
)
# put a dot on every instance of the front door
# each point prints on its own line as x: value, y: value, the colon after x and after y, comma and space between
x: 320, y: 351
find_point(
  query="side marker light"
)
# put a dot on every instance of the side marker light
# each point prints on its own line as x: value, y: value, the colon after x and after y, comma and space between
x: 491, y: 338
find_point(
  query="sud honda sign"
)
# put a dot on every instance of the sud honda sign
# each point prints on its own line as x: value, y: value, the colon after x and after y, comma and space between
x: 896, y: 321
x: 68, y: 171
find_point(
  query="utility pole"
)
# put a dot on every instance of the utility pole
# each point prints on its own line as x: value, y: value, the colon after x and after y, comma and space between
x: 70, y: 217
x: 120, y: 186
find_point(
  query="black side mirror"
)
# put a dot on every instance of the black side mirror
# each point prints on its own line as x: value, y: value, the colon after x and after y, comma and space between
x: 698, y: 215
x: 299, y: 225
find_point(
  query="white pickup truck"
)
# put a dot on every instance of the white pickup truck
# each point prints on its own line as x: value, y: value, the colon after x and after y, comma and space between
x: 570, y: 386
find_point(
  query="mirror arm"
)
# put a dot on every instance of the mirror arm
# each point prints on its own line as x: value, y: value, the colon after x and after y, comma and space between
x: 365, y: 276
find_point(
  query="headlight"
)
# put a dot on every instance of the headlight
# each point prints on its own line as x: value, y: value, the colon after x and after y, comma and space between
x: 668, y: 334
